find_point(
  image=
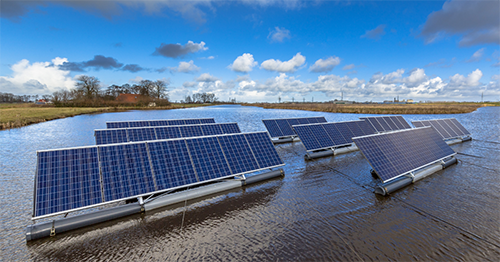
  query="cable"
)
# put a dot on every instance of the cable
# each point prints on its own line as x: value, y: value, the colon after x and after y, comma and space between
x: 492, y: 142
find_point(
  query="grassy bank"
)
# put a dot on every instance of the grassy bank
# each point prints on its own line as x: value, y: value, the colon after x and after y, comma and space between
x: 421, y: 108
x: 18, y: 115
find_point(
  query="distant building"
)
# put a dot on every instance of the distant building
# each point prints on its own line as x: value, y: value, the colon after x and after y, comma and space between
x: 128, y: 98
x: 41, y: 102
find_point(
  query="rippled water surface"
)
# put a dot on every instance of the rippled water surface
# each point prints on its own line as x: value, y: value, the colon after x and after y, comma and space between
x: 321, y: 210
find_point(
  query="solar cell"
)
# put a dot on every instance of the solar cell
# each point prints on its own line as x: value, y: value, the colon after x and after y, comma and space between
x: 355, y: 129
x: 303, y: 121
x: 110, y: 136
x: 285, y: 128
x: 402, y: 121
x: 208, y: 159
x: 366, y: 127
x: 126, y: 171
x: 190, y: 131
x: 192, y: 121
x: 307, y: 137
x: 179, y: 122
x: 117, y: 125
x: 141, y: 134
x: 230, y: 128
x: 397, y: 153
x: 263, y: 150
x: 374, y: 123
x: 273, y: 128
x: 138, y: 123
x: 65, y: 180
x: 238, y: 154
x: 336, y: 136
x: 167, y: 132
x: 210, y: 130
x: 321, y: 119
x: 207, y: 120
x: 159, y: 122
x: 447, y: 128
x: 171, y: 164
x: 387, y: 123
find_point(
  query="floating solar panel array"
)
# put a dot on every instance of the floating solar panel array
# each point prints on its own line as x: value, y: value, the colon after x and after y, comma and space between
x: 283, y: 127
x: 397, y: 153
x: 123, y: 135
x: 328, y: 135
x: 387, y: 123
x: 171, y: 122
x: 447, y: 128
x: 77, y: 178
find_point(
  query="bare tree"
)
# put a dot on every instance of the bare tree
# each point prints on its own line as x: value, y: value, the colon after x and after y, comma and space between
x: 160, y: 89
x: 88, y: 85
x: 188, y: 100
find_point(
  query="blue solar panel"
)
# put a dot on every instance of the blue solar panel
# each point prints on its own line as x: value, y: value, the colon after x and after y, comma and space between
x: 391, y: 123
x: 394, y: 154
x: 307, y: 137
x: 324, y: 140
x: 345, y: 131
x: 293, y: 122
x: 207, y: 120
x: 355, y: 129
x: 285, y: 128
x: 208, y: 159
x: 387, y: 123
x: 160, y: 122
x: 263, y: 150
x: 366, y: 127
x: 238, y: 154
x: 211, y: 130
x: 321, y: 119
x: 167, y: 132
x: 110, y: 136
x: 447, y: 128
x: 230, y: 128
x: 126, y: 171
x: 190, y: 131
x: 273, y: 128
x: 171, y: 164
x: 117, y: 125
x: 336, y: 136
x: 302, y: 121
x: 141, y: 134
x: 65, y: 180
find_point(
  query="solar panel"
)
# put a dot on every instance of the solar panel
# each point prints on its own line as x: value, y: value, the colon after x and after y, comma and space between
x: 66, y: 179
x: 113, y: 136
x: 387, y: 123
x: 329, y: 135
x: 110, y: 136
x: 171, y: 164
x: 71, y: 179
x: 447, y: 128
x: 398, y: 153
x: 159, y: 122
x: 283, y: 127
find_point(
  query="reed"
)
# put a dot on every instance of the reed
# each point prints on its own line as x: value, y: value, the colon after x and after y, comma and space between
x: 421, y: 108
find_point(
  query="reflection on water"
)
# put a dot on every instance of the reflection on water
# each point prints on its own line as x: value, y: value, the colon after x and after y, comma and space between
x: 321, y: 210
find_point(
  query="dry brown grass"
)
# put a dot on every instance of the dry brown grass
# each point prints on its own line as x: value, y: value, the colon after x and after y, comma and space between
x: 421, y: 108
x: 18, y: 115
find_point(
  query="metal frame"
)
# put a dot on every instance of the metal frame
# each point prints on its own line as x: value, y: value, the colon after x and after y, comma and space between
x: 149, y: 193
x: 407, y: 172
x: 366, y: 118
x: 444, y: 138
x: 127, y: 121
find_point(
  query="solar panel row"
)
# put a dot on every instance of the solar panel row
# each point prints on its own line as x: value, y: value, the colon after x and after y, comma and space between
x: 283, y: 127
x: 398, y: 153
x: 387, y: 123
x: 123, y: 135
x: 328, y: 135
x: 145, y: 123
x: 69, y: 179
x: 447, y: 128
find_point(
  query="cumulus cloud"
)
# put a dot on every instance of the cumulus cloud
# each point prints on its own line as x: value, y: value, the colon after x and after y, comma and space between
x: 289, y: 66
x: 376, y: 33
x: 100, y: 62
x: 206, y: 77
x: 325, y: 65
x: 278, y: 35
x: 37, y: 78
x: 243, y: 63
x: 133, y: 68
x: 475, y: 21
x: 178, y: 50
x: 476, y: 57
x: 184, y: 67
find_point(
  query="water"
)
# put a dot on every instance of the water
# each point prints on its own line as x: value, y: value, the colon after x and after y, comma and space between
x: 321, y: 210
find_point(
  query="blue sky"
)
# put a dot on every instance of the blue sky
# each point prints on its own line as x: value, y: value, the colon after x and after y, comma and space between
x: 257, y: 50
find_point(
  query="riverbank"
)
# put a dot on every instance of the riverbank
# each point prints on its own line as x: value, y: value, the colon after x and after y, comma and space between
x: 19, y: 115
x: 399, y: 109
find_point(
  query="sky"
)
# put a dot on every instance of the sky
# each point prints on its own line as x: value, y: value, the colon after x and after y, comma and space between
x: 257, y: 50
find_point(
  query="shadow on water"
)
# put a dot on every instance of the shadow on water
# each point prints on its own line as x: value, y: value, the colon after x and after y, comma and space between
x: 323, y: 209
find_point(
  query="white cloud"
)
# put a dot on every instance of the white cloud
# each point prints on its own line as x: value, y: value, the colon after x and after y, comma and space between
x: 136, y: 79
x: 348, y: 67
x: 279, y: 34
x: 206, y: 77
x: 243, y: 63
x: 476, y: 57
x: 476, y: 22
x: 185, y: 67
x: 376, y: 33
x: 37, y: 78
x: 325, y: 65
x: 284, y: 67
